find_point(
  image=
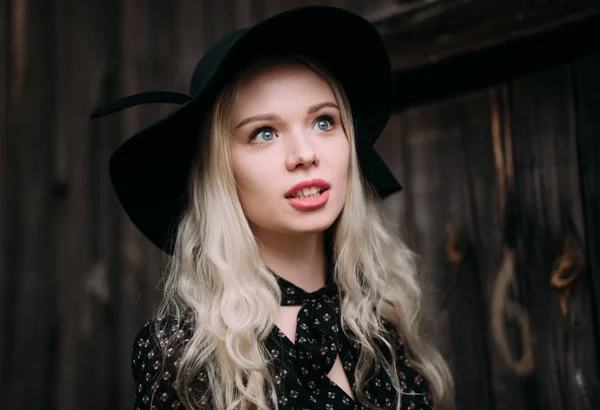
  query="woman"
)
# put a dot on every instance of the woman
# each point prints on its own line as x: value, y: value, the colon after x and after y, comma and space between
x: 285, y: 289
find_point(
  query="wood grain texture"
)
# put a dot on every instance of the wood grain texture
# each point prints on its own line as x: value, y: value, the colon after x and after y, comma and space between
x: 549, y: 229
x: 471, y: 249
x: 5, y: 200
x: 191, y: 39
x: 70, y: 157
x: 150, y: 52
x: 86, y: 76
x: 509, y: 330
x: 497, y: 65
x: 586, y: 86
x: 100, y: 346
x: 31, y: 350
x: 424, y: 32
x: 439, y: 210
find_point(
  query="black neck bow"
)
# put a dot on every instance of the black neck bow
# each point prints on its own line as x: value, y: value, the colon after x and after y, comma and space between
x: 318, y: 327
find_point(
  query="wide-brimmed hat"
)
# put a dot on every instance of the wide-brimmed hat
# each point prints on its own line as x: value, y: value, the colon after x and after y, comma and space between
x: 150, y: 170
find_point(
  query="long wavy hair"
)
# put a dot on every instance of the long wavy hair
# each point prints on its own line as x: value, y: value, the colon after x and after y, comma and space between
x: 217, y: 281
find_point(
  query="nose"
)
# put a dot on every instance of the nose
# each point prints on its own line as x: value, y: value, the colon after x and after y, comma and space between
x: 300, y: 151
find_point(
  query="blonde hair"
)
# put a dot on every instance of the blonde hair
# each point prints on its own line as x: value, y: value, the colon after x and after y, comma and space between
x: 217, y: 279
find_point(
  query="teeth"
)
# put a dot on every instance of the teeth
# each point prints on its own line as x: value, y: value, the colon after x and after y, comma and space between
x: 308, y: 192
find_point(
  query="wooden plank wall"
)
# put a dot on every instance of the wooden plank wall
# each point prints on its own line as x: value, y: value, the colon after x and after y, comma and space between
x: 501, y: 193
x: 500, y: 202
x: 4, y: 203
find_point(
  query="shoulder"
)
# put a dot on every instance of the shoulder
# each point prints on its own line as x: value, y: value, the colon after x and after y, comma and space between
x: 160, y: 337
x: 155, y: 356
x: 414, y: 386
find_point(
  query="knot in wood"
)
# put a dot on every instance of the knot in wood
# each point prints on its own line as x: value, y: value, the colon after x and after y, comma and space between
x: 567, y: 268
x: 456, y: 247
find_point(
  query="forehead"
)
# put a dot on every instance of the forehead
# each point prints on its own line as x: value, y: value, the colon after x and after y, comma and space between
x: 280, y: 85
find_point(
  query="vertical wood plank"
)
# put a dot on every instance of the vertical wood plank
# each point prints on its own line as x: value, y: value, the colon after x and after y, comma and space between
x: 259, y: 9
x: 98, y: 330
x: 244, y: 13
x: 191, y: 21
x: 137, y: 50
x: 32, y: 316
x: 149, y: 49
x: 95, y: 325
x: 71, y: 256
x: 277, y: 6
x: 357, y: 6
x: 440, y: 212
x: 587, y: 92
x: 225, y: 18
x: 5, y: 200
x: 484, y: 155
x: 467, y: 262
x: 86, y: 335
x: 550, y: 235
x: 209, y: 22
x: 273, y: 7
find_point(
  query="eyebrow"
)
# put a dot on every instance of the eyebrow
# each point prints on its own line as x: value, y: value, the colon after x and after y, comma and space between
x: 273, y: 117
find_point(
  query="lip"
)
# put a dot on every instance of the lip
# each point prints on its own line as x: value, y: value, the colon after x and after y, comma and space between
x: 319, y: 183
x: 307, y: 204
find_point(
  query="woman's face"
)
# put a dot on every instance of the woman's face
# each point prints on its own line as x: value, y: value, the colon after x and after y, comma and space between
x: 288, y: 142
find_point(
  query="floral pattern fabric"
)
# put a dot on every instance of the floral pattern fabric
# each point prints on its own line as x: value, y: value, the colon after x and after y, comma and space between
x: 299, y: 369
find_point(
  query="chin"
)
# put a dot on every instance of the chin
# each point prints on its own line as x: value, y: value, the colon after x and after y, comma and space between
x: 310, y: 223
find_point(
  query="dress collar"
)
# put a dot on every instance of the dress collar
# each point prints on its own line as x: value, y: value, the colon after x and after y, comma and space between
x: 293, y: 295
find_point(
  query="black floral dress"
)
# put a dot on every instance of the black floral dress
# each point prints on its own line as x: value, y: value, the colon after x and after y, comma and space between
x: 299, y: 369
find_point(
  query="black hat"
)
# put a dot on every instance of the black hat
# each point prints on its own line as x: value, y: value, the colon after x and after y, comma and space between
x: 150, y: 170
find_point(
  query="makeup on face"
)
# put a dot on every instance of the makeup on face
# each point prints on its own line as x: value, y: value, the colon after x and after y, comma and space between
x: 289, y: 150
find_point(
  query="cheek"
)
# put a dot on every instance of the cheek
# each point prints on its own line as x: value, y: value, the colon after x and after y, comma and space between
x: 341, y: 158
x: 250, y: 181
x: 240, y: 174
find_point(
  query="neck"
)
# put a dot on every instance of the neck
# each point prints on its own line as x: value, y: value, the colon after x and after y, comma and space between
x: 299, y: 258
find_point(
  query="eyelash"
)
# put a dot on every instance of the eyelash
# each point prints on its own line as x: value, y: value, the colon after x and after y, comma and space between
x: 331, y: 118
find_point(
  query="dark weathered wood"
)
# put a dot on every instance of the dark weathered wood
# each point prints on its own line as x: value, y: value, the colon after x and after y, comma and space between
x: 587, y: 92
x: 243, y: 12
x: 31, y: 350
x: 439, y: 207
x: 150, y: 52
x: 550, y: 230
x: 472, y: 252
x: 87, y: 331
x: 70, y: 156
x: 496, y: 65
x: 5, y: 276
x: 276, y: 6
x: 191, y: 39
x: 423, y: 32
x: 100, y: 342
x: 225, y: 17
x: 508, y: 328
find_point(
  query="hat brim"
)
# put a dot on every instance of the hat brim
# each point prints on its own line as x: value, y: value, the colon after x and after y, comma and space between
x: 150, y: 170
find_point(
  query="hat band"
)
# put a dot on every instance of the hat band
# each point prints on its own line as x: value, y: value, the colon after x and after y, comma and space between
x: 165, y: 97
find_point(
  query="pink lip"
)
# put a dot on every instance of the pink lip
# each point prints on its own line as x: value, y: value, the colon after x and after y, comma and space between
x: 319, y: 183
x: 305, y: 204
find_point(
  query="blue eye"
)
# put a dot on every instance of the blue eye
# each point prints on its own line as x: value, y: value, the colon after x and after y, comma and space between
x: 267, y: 134
x: 325, y: 123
